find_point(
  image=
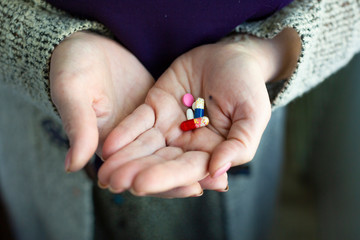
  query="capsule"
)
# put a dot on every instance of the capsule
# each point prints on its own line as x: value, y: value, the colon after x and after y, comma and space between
x: 199, y: 108
x: 199, y: 103
x: 198, y: 113
x: 194, y: 123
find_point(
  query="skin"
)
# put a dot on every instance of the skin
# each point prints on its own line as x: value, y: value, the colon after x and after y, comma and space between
x: 148, y: 153
x: 95, y: 85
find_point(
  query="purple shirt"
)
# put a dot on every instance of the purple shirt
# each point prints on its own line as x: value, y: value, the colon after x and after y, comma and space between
x: 157, y: 32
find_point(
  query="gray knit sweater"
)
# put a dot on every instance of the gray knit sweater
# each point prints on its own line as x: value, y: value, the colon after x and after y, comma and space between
x: 329, y: 30
x: 31, y: 29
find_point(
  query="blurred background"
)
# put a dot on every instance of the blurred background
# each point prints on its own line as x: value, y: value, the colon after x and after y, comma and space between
x: 320, y: 191
x: 319, y: 195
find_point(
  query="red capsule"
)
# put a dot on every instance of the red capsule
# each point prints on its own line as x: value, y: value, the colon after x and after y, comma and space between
x: 194, y: 123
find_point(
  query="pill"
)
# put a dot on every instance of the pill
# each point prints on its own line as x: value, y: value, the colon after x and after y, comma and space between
x: 199, y: 108
x: 198, y: 113
x: 193, y: 106
x: 199, y: 103
x: 189, y: 114
x: 188, y: 100
x: 194, y: 123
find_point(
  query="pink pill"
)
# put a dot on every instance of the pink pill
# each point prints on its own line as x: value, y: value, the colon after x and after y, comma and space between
x: 188, y: 100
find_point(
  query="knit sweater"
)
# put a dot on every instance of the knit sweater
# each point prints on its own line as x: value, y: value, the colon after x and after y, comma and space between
x: 329, y: 31
x: 157, y: 32
x: 31, y: 29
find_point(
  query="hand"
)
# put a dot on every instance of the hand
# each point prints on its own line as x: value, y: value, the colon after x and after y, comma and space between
x: 95, y: 83
x: 149, y: 154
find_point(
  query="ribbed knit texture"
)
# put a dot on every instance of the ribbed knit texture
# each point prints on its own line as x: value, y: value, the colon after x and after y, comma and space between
x: 29, y: 32
x: 329, y: 30
x: 330, y: 36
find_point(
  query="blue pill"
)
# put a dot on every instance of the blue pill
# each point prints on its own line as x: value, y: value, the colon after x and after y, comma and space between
x: 199, y: 112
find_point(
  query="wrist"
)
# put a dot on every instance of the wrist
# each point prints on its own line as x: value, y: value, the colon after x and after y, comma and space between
x: 277, y: 57
x: 281, y: 54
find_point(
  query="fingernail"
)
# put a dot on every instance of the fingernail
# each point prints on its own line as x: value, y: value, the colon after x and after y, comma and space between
x: 102, y: 186
x: 113, y: 190
x: 224, y: 190
x: 135, y: 193
x: 68, y: 161
x: 198, y: 195
x: 222, y: 170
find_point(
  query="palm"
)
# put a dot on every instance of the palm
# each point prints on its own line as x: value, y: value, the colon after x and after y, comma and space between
x: 236, y: 104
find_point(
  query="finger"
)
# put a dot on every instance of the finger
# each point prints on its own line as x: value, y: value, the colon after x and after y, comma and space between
x: 219, y: 184
x: 202, y: 139
x: 239, y: 148
x: 193, y: 190
x: 79, y: 121
x: 146, y: 144
x: 184, y: 170
x: 141, y: 120
x: 122, y: 177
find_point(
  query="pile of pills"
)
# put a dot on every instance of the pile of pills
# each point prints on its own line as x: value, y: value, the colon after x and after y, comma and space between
x: 195, y: 115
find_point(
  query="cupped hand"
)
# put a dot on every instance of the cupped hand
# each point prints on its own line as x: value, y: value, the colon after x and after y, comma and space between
x: 95, y: 83
x: 149, y: 154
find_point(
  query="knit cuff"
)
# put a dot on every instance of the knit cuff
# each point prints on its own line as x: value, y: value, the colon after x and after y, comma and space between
x: 329, y: 32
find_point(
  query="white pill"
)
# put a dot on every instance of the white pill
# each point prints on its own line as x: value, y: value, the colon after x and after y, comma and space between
x: 193, y: 106
x: 189, y: 114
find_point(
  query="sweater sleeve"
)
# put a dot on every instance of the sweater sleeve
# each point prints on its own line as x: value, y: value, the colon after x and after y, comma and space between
x: 29, y: 32
x: 330, y: 36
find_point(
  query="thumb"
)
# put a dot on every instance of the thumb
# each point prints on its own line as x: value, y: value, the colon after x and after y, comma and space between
x: 80, y: 124
x: 240, y: 147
